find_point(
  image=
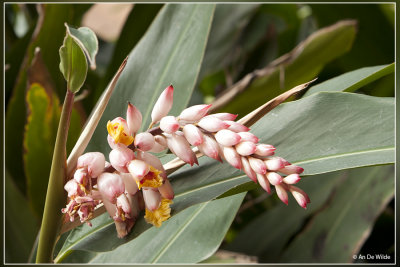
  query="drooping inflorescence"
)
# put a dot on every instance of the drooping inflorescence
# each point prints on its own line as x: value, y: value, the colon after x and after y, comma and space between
x: 134, y: 179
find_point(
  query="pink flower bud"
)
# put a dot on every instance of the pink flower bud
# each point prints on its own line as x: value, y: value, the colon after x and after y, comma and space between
x: 119, y: 158
x: 274, y: 178
x: 112, y: 143
x: 263, y: 181
x: 169, y: 124
x: 258, y: 165
x: 161, y: 140
x: 246, y: 136
x: 245, y: 148
x: 194, y: 113
x: 248, y: 170
x: 166, y: 190
x: 292, y: 179
x: 163, y: 104
x: 232, y: 157
x: 180, y: 147
x: 264, y: 150
x: 130, y: 183
x: 224, y: 116
x: 144, y: 141
x: 110, y: 186
x: 134, y: 119
x: 93, y: 161
x: 153, y: 161
x: 138, y: 169
x: 282, y: 194
x: 291, y: 169
x: 72, y: 188
x: 157, y: 148
x: 237, y: 127
x: 152, y: 198
x: 274, y: 164
x: 300, y: 196
x: 193, y: 135
x: 210, y: 148
x: 227, y: 137
x: 212, y: 124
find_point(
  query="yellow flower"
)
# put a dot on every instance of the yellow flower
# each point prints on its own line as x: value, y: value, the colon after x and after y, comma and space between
x: 118, y: 130
x: 151, y: 179
x: 159, y: 215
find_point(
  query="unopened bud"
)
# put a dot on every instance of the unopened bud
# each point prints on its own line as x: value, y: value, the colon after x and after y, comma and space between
x: 93, y: 161
x: 194, y: 113
x: 134, y: 119
x: 152, y: 198
x: 193, y: 135
x: 163, y: 104
x: 138, y: 169
x: 169, y: 124
x: 110, y: 186
x: 212, y: 124
x: 245, y: 148
x: 144, y: 141
x: 119, y: 158
x: 227, y: 137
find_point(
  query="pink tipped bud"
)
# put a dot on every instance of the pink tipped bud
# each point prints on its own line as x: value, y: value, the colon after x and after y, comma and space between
x: 227, y: 137
x: 293, y: 188
x: 274, y: 178
x: 237, y: 127
x: 224, y: 116
x: 130, y: 183
x: 169, y: 124
x: 282, y: 194
x: 300, y: 196
x: 274, y: 164
x: 258, y: 165
x: 133, y: 119
x: 93, y: 161
x: 248, y: 170
x: 119, y: 158
x: 212, y: 124
x: 138, y: 169
x: 292, y: 179
x: 144, y: 141
x: 245, y: 148
x: 72, y: 188
x: 163, y: 104
x: 194, y: 113
x: 232, y: 157
x: 246, y: 136
x: 263, y: 181
x: 110, y: 186
x: 210, y: 148
x: 193, y: 135
x: 291, y: 169
x: 180, y: 147
x: 152, y: 198
x: 264, y: 150
x: 153, y: 161
x: 166, y: 190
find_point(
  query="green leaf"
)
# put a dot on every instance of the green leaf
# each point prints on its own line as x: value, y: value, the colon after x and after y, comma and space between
x: 353, y: 80
x: 295, y: 129
x: 298, y: 66
x: 40, y: 135
x: 135, y: 26
x: 337, y: 232
x: 205, y: 223
x: 332, y: 194
x: 170, y: 52
x: 87, y: 41
x: 19, y: 235
x: 73, y: 63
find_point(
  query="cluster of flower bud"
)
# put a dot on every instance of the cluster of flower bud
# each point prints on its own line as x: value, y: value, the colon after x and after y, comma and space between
x: 134, y: 179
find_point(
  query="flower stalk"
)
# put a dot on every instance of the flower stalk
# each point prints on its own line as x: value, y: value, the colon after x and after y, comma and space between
x: 56, y: 196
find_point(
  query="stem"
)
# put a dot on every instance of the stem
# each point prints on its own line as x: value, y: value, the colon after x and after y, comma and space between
x: 55, y: 197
